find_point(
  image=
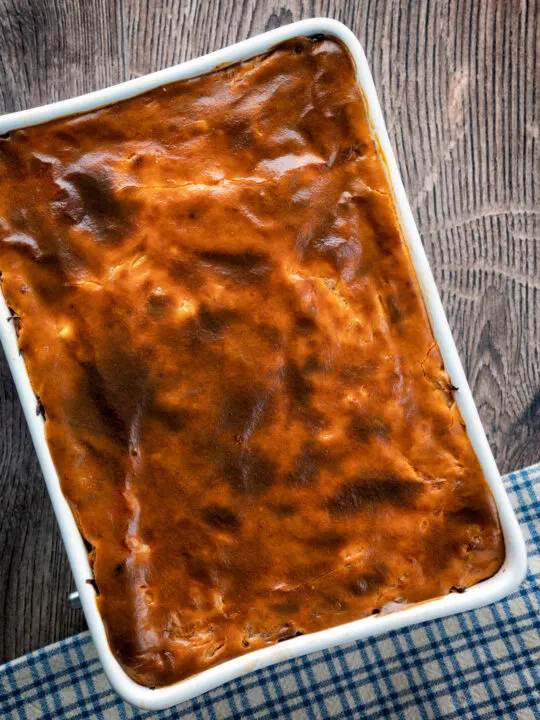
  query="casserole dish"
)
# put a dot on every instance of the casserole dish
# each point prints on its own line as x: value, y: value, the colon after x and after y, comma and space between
x: 505, y: 579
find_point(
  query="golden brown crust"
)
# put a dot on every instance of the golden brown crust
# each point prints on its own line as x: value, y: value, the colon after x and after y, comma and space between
x: 244, y: 400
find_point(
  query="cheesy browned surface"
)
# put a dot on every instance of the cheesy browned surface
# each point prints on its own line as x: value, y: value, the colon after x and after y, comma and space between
x: 244, y: 400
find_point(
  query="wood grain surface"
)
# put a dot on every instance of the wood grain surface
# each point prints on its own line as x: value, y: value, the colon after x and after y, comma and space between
x: 459, y: 83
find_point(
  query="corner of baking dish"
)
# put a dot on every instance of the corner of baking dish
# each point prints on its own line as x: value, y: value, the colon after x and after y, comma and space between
x: 506, y: 580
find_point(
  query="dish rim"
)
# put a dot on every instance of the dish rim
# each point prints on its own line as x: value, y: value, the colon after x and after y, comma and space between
x: 513, y: 570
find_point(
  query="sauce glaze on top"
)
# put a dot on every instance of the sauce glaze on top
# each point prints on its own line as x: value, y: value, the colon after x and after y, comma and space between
x: 244, y: 400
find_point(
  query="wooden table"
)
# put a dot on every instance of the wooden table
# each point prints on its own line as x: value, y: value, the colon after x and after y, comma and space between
x: 459, y: 85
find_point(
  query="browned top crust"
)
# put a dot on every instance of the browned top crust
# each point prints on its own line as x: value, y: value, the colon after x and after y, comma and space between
x: 244, y: 400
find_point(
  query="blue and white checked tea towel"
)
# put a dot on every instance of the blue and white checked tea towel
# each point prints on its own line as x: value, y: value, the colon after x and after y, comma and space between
x: 483, y: 664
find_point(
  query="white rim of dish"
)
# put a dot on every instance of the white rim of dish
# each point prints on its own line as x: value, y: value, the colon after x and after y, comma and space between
x: 506, y: 580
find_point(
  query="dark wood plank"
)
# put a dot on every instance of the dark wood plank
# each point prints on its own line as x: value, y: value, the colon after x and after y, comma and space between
x: 459, y: 87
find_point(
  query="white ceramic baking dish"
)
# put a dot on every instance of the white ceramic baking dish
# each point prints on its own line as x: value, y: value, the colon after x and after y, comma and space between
x: 505, y: 581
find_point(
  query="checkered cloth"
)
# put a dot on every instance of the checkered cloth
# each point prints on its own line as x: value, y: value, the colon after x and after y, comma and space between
x: 483, y: 664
